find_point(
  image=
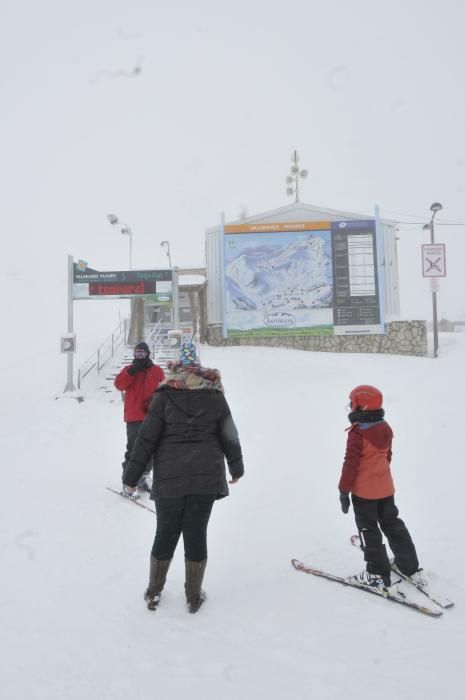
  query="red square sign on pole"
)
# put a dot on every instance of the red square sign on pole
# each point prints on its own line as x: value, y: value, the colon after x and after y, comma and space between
x: 433, y: 259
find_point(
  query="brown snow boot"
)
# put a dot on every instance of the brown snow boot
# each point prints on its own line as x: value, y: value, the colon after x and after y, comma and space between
x: 195, y: 571
x: 158, y: 570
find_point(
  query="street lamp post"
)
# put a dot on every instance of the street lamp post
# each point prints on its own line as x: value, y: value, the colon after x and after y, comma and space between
x: 125, y: 230
x: 435, y: 207
x: 136, y: 317
x: 166, y: 244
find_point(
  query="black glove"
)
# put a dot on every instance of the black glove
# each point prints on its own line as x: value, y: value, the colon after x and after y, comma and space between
x: 345, y: 501
x: 137, y: 366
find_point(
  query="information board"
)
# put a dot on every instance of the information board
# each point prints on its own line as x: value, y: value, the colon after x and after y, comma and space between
x: 122, y: 284
x: 302, y: 278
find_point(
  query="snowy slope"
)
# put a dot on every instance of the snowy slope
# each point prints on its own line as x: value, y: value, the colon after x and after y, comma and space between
x: 75, y: 556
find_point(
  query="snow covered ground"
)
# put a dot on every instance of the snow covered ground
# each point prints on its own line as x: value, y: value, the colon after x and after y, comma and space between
x: 75, y: 556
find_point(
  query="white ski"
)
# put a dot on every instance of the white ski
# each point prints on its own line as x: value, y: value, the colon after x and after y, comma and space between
x: 136, y: 501
x: 397, y: 598
x: 440, y: 600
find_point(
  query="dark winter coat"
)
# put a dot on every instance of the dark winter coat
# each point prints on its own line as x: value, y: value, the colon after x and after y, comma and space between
x: 366, y: 470
x: 189, y: 432
x: 138, y: 390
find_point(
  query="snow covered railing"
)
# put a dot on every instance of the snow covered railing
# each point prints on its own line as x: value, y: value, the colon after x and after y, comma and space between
x: 104, y: 352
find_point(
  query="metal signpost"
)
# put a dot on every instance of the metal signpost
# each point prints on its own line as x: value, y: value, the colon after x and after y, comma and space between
x: 434, y: 266
x: 70, y: 353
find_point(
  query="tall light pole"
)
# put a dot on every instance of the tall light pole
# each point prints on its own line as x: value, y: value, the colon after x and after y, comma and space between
x: 136, y: 306
x: 435, y: 207
x: 125, y: 230
x: 166, y: 244
x: 292, y: 180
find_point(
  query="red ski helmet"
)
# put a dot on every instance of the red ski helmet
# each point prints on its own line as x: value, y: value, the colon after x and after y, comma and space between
x: 366, y: 398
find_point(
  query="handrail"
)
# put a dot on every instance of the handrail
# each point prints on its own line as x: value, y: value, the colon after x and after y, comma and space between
x: 158, y: 341
x: 104, y: 352
x: 156, y: 337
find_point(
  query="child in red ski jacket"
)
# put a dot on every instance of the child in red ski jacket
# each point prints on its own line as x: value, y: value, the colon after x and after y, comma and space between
x: 366, y: 474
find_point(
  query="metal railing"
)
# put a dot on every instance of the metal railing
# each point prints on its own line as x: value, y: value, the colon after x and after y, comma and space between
x: 164, y: 349
x: 159, y: 345
x: 155, y: 337
x: 104, y: 352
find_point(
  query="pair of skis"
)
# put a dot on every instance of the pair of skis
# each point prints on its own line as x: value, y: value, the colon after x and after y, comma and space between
x: 426, y: 590
x: 397, y: 597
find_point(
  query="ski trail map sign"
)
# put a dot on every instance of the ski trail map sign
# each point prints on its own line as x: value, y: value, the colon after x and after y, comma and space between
x: 302, y: 278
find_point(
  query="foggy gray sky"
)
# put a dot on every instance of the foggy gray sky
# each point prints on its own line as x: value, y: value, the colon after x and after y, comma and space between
x: 370, y: 93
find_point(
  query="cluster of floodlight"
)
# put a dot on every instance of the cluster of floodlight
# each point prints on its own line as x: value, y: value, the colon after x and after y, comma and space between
x: 292, y: 180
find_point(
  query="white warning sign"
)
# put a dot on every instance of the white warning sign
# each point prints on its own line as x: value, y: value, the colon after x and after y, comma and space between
x: 433, y: 259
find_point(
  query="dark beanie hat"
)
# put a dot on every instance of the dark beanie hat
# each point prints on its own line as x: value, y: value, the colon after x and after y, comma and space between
x: 142, y: 346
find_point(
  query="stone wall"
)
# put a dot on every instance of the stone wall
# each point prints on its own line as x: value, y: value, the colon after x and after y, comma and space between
x: 400, y: 338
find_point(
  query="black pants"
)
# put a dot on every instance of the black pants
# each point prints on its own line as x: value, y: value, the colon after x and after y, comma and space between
x: 189, y: 515
x: 132, y: 430
x: 383, y: 512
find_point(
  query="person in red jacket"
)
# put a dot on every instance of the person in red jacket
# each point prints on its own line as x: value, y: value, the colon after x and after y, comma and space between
x: 366, y: 474
x: 138, y: 381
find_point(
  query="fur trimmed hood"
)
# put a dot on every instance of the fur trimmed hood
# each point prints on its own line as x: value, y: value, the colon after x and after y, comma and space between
x: 192, y: 377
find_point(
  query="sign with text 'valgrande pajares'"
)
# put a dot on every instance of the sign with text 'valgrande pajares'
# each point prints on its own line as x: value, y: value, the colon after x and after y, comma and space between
x: 155, y: 285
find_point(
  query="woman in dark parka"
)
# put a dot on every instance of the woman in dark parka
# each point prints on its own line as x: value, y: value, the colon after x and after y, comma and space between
x: 189, y: 431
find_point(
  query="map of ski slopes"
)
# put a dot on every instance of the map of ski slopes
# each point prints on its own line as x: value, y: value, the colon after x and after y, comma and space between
x: 270, y: 273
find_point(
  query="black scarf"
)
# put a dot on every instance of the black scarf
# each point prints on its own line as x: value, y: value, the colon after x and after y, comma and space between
x: 359, y: 416
x: 142, y: 362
